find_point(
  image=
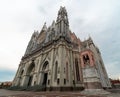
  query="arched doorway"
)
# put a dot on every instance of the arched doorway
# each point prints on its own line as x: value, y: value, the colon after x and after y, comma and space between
x: 45, y: 73
x: 44, y: 79
x: 30, y: 73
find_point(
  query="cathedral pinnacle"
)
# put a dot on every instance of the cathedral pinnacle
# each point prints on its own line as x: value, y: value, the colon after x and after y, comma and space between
x: 62, y: 15
x: 44, y: 28
x: 62, y: 22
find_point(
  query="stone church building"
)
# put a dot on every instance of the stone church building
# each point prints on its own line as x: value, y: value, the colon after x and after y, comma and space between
x: 56, y: 59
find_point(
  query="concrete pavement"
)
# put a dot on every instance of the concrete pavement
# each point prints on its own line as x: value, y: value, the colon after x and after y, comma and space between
x: 9, y: 93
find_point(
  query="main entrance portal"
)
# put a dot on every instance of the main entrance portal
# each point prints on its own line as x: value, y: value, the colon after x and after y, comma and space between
x: 30, y: 80
x: 30, y: 74
x: 45, y: 74
x: 45, y: 79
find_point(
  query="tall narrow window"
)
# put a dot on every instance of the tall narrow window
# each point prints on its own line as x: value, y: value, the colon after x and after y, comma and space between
x: 56, y: 67
x: 64, y: 81
x: 73, y: 82
x: 67, y: 70
x: 58, y: 81
x: 77, y: 70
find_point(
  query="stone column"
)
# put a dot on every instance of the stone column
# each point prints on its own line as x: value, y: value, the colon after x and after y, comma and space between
x: 39, y: 78
x: 25, y: 80
x: 60, y: 63
x: 51, y: 62
x: 38, y: 71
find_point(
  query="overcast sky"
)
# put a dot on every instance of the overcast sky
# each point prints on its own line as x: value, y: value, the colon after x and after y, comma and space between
x: 19, y: 18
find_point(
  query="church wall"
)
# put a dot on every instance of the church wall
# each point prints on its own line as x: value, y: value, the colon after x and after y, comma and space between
x: 104, y: 79
x: 66, y: 67
x: 63, y: 55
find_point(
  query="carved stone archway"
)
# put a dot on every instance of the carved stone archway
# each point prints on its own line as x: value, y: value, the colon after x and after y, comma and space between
x: 30, y: 73
x: 44, y: 71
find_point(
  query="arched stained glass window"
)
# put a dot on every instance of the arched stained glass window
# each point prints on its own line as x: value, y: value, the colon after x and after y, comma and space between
x: 77, y: 69
x: 56, y: 69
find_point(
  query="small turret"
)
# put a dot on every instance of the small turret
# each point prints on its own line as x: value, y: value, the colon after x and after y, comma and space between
x: 44, y: 28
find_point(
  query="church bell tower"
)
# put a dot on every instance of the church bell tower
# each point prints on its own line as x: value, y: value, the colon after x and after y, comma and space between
x: 62, y: 22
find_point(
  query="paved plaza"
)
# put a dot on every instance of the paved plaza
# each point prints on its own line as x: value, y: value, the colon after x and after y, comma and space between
x: 8, y: 93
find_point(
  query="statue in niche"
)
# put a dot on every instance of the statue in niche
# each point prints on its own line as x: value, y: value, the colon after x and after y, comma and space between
x: 86, y: 59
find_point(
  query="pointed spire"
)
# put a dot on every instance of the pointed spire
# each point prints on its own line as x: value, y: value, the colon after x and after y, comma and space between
x: 62, y: 15
x: 35, y: 33
x: 53, y: 24
x: 90, y: 39
x: 44, y: 28
x: 62, y: 9
x: 62, y: 23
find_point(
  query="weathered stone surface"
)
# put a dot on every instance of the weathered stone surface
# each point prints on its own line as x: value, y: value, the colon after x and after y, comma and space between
x: 7, y: 93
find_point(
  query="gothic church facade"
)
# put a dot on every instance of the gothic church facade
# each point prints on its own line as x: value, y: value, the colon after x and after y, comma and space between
x: 55, y: 59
